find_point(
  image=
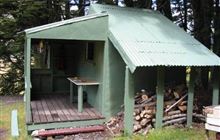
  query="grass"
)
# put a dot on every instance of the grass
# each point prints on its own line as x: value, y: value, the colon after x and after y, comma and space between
x: 5, y: 120
x: 171, y: 134
x: 161, y: 134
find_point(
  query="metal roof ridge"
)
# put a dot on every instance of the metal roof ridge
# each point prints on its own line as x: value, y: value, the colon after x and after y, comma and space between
x: 64, y: 22
x: 129, y: 9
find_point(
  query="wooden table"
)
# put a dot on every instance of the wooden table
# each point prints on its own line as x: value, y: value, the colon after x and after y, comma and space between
x: 80, y: 82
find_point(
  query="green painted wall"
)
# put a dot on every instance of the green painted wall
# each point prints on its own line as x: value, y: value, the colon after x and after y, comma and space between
x: 68, y: 59
x: 82, y: 30
x: 114, y: 98
x: 92, y: 70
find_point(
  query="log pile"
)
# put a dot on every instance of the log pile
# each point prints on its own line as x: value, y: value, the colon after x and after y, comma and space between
x: 175, y: 107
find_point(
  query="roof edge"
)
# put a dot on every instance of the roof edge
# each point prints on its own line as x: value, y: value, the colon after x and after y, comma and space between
x: 118, y: 47
x: 64, y: 22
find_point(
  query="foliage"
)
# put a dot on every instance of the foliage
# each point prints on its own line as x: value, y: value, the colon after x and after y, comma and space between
x: 16, y: 16
x: 201, y: 18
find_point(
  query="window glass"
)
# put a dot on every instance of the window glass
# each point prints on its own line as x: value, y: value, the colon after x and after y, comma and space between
x: 40, y: 57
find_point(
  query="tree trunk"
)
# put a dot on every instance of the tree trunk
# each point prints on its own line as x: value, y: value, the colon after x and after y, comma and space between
x: 216, y: 44
x: 164, y: 7
x: 203, y: 13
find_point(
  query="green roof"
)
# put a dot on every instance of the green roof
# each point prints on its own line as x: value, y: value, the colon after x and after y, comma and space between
x: 80, y: 28
x: 147, y: 38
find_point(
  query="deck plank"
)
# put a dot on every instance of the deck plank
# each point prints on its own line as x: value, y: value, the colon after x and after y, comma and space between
x: 54, y: 113
x: 46, y: 111
x: 34, y: 111
x: 41, y: 112
x: 97, y: 113
x: 70, y: 108
x: 60, y: 102
x: 58, y: 109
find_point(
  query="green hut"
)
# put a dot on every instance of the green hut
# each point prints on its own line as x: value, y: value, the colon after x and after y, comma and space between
x: 80, y: 71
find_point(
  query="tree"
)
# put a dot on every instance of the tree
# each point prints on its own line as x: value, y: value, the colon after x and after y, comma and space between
x: 16, y: 16
x: 164, y: 7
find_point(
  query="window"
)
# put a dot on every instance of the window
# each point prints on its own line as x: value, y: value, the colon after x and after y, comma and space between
x: 90, y: 51
x: 40, y: 57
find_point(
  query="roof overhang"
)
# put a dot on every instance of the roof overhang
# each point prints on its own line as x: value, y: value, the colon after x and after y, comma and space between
x: 90, y: 27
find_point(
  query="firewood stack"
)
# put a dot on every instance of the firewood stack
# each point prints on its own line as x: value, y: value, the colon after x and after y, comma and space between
x: 175, y: 106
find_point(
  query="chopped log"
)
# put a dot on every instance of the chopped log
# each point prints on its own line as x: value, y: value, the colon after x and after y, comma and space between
x: 145, y: 105
x: 169, y: 102
x: 182, y: 108
x: 199, y: 116
x: 176, y: 95
x: 137, y: 127
x: 142, y: 113
x: 144, y: 97
x: 150, y: 99
x: 137, y: 118
x: 147, y: 129
x: 178, y: 120
x: 166, y: 118
x: 183, y: 103
x: 173, y: 112
x: 144, y: 122
x: 175, y: 103
x: 150, y: 111
x: 148, y: 116
x: 137, y: 112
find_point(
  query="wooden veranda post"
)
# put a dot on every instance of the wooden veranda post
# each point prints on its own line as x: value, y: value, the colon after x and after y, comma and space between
x: 27, y: 78
x: 160, y: 97
x: 191, y: 83
x: 215, y: 94
x: 128, y: 102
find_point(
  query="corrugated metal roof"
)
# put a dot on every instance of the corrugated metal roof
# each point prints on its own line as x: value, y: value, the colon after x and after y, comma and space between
x: 64, y: 22
x: 147, y: 38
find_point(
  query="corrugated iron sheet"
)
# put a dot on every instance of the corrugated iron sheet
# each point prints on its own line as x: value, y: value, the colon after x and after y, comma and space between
x: 64, y: 22
x: 147, y: 38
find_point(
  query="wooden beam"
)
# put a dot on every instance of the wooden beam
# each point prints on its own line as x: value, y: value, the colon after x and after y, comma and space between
x: 28, y: 79
x: 68, y: 131
x: 71, y: 92
x: 128, y: 102
x: 215, y: 94
x: 160, y: 97
x: 190, y: 84
x: 54, y: 125
x: 80, y: 98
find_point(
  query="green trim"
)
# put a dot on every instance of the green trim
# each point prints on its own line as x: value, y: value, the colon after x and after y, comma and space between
x: 128, y: 102
x: 105, y: 89
x: 28, y: 79
x: 160, y: 97
x: 80, y: 30
x: 190, y: 98
x: 121, y: 51
x: 215, y: 94
x: 71, y: 92
x: 80, y: 98
x: 31, y: 127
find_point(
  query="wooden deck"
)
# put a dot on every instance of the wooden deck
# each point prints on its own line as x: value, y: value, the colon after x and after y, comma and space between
x: 58, y: 109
